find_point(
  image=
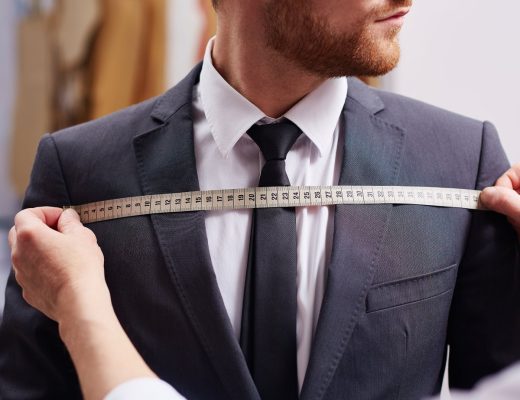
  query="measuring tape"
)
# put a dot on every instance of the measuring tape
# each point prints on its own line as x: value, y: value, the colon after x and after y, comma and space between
x: 278, y: 196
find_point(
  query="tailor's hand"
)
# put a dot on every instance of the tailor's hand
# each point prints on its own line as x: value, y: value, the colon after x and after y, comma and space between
x: 504, y: 197
x: 58, y: 264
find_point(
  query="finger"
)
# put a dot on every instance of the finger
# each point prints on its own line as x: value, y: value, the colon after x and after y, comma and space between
x: 38, y: 216
x: 504, y: 181
x: 515, y: 170
x: 502, y: 200
x: 32, y: 226
x: 69, y: 222
x: 16, y: 274
x: 515, y: 177
x: 511, y: 178
x: 515, y: 224
x: 11, y: 237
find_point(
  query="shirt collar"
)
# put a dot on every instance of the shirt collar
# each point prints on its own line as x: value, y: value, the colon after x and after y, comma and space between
x: 230, y: 114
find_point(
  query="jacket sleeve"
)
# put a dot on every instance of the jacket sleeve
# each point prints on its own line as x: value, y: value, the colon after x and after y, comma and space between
x: 484, y: 327
x: 34, y: 363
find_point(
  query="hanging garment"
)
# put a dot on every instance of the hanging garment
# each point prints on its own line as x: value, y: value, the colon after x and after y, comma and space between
x: 128, y: 59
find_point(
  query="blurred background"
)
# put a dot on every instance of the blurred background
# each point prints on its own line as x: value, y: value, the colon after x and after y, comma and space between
x: 63, y: 62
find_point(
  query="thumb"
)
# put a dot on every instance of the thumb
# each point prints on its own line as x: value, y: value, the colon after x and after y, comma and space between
x: 69, y: 221
x: 503, y: 200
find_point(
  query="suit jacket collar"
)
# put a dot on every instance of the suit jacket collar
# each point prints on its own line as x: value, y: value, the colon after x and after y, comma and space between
x: 166, y: 163
x: 178, y: 96
x: 365, y: 96
x: 371, y: 156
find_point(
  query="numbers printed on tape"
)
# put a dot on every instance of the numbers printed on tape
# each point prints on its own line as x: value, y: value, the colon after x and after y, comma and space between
x: 279, y: 196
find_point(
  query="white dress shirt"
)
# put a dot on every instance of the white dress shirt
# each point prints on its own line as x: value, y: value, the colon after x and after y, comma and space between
x: 226, y: 157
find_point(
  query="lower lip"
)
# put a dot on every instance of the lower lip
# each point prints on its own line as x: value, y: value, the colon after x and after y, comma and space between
x: 397, y: 20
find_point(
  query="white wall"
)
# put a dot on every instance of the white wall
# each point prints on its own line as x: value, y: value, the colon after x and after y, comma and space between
x: 185, y: 27
x: 464, y: 55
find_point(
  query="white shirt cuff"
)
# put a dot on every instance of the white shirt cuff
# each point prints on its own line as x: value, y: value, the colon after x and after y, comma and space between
x: 144, y: 388
x: 502, y: 386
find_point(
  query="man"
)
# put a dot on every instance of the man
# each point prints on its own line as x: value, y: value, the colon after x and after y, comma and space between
x: 70, y: 267
x: 380, y: 290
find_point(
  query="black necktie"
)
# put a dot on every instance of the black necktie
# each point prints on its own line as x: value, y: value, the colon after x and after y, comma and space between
x: 268, y: 336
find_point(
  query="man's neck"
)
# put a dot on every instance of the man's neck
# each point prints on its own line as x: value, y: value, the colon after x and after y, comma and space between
x: 266, y: 78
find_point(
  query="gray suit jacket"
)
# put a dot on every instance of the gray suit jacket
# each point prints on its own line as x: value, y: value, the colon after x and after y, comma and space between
x: 403, y: 283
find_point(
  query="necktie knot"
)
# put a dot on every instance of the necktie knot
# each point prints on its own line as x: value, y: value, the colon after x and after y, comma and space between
x: 275, y: 140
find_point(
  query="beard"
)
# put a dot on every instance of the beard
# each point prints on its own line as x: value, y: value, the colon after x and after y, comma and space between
x: 294, y: 31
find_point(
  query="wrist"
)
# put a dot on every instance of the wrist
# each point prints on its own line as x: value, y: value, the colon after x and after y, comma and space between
x: 86, y: 315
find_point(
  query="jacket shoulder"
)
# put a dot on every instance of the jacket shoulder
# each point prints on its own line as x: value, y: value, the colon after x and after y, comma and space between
x: 407, y: 112
x: 125, y: 124
x: 122, y: 124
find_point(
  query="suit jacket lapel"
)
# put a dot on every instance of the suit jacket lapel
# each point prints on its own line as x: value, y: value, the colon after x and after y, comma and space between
x: 372, y: 151
x: 166, y: 164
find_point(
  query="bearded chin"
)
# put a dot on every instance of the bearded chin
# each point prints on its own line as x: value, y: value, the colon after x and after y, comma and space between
x: 364, y: 57
x: 310, y: 45
x: 372, y: 57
